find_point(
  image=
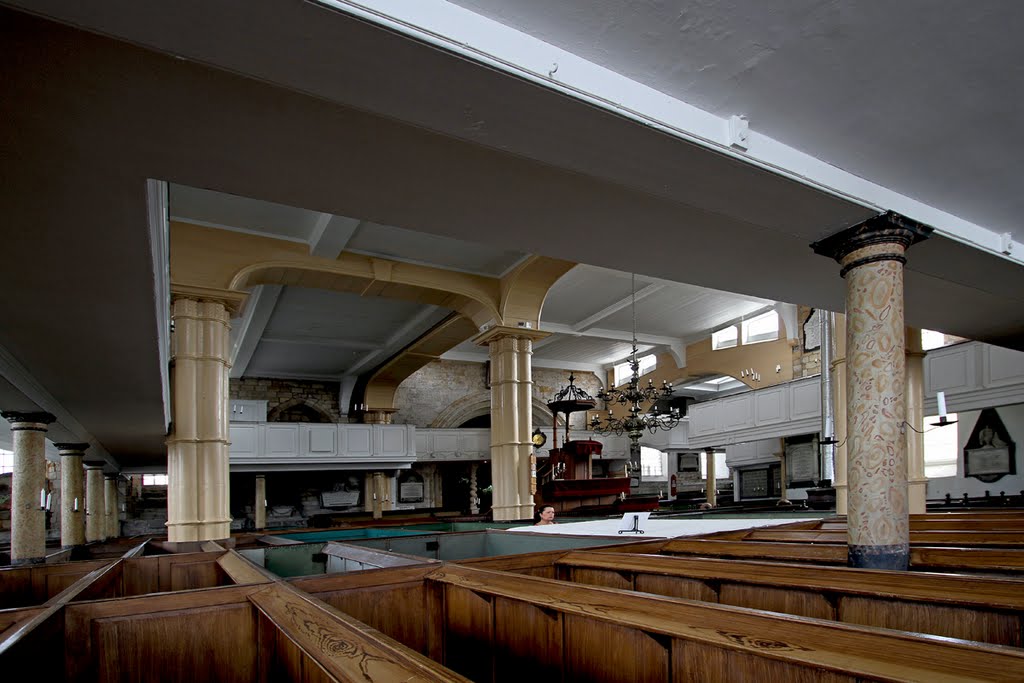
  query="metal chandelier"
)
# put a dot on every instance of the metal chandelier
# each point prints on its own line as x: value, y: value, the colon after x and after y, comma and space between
x: 634, y: 396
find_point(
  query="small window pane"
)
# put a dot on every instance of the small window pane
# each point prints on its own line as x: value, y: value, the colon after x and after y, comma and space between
x: 763, y: 328
x: 725, y: 338
x: 154, y: 480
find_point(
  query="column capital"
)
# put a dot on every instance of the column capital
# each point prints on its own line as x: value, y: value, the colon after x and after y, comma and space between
x: 17, y: 417
x: 501, y: 332
x: 232, y: 300
x: 71, y: 449
x: 94, y: 464
x: 887, y: 228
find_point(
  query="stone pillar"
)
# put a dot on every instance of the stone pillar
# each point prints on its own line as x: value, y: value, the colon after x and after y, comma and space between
x: 260, y: 506
x: 197, y: 449
x: 511, y: 420
x: 917, y: 482
x: 72, y: 494
x: 28, y: 497
x: 872, y: 258
x: 112, y: 516
x: 711, y: 481
x: 839, y: 395
x: 95, y: 502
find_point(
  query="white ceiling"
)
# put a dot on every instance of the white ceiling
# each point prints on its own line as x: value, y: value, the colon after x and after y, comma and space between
x: 361, y: 116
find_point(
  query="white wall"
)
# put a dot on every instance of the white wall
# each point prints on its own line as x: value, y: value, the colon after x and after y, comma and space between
x: 1013, y: 419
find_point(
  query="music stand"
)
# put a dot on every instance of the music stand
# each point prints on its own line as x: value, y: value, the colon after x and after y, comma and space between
x: 632, y: 522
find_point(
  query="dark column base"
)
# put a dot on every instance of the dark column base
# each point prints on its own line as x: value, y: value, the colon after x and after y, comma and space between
x: 28, y: 560
x: 895, y: 557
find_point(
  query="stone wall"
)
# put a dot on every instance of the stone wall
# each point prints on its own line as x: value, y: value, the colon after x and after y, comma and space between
x: 438, y: 385
x: 287, y: 393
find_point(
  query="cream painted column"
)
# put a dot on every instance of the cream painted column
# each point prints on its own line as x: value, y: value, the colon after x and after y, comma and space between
x: 28, y: 518
x: 917, y: 482
x: 377, y: 487
x: 872, y: 258
x: 72, y: 494
x: 95, y: 502
x: 112, y: 516
x: 839, y: 401
x: 511, y: 420
x: 260, y: 506
x: 197, y: 449
x: 711, y: 480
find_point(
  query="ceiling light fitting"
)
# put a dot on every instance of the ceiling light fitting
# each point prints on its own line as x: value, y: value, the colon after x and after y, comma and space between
x: 634, y: 397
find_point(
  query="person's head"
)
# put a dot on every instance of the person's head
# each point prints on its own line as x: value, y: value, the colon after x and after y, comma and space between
x: 547, y: 513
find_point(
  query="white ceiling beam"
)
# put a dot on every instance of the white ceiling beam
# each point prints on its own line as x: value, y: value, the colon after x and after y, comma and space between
x: 331, y: 234
x: 258, y: 309
x: 624, y: 302
x: 602, y: 333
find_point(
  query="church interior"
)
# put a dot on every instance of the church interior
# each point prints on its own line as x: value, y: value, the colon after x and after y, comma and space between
x: 312, y: 308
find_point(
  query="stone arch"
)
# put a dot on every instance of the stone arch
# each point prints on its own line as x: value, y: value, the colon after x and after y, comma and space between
x: 323, y: 411
x: 479, y: 403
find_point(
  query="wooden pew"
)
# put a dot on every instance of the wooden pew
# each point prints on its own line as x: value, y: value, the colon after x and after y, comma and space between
x: 995, y: 560
x: 345, y: 557
x: 34, y: 584
x: 957, y: 606
x: 998, y: 539
x: 503, y: 627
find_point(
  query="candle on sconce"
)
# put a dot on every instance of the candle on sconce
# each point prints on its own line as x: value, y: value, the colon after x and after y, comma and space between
x: 47, y: 506
x: 76, y: 505
x: 941, y: 399
x: 42, y: 498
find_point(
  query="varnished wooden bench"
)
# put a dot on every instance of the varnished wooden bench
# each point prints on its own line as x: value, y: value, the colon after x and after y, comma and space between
x: 958, y: 606
x: 504, y: 627
x: 997, y: 560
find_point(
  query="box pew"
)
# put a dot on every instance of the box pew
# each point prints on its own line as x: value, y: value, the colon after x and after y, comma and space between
x: 954, y: 605
x: 504, y: 627
x: 162, y: 573
x: 947, y: 522
x: 302, y: 639
x: 392, y: 601
x: 974, y: 560
x: 37, y: 643
x: 998, y: 539
x: 262, y: 629
x: 34, y: 584
x: 345, y: 557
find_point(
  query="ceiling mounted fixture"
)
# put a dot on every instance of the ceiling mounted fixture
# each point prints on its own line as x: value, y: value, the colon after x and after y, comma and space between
x: 636, y: 420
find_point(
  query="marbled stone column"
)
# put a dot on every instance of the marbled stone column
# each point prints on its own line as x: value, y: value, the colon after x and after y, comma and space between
x: 260, y: 507
x: 872, y: 258
x: 917, y: 482
x: 511, y: 420
x: 113, y: 515
x: 711, y: 481
x: 72, y: 494
x: 28, y: 517
x: 95, y: 502
x: 197, y: 450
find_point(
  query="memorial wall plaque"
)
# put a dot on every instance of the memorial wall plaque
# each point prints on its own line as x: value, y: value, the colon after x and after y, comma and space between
x: 754, y: 483
x: 812, y: 331
x: 410, y: 492
x: 339, y: 499
x: 801, y: 463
